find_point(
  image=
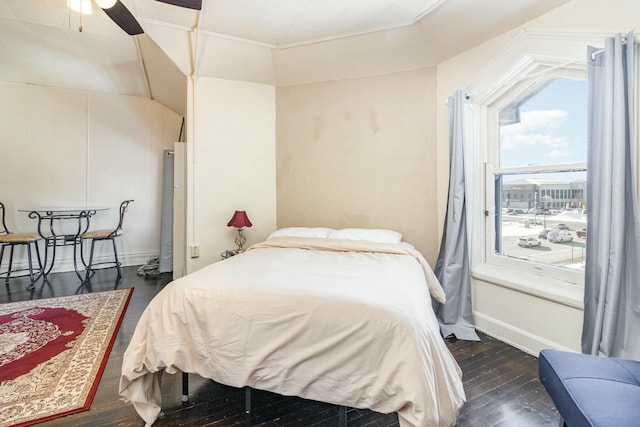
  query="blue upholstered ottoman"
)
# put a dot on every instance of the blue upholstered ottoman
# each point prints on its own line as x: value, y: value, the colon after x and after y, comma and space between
x: 592, y: 390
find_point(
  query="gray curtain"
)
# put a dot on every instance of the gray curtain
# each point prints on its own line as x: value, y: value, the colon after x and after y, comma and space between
x: 612, y: 274
x: 452, y: 267
x: 166, y: 214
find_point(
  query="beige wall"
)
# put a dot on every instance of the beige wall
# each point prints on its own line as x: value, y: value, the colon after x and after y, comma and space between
x: 512, y: 310
x: 230, y: 165
x: 360, y: 153
x: 64, y: 147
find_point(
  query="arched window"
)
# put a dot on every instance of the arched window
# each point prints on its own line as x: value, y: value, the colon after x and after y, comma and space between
x: 531, y: 125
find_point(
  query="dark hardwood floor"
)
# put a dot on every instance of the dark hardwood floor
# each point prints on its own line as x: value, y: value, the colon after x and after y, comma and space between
x: 500, y: 381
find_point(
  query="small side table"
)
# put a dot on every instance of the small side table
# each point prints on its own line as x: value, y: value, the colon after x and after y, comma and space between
x: 231, y: 252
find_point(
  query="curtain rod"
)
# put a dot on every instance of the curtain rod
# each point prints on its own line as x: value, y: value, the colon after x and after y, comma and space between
x: 594, y: 53
x: 467, y: 95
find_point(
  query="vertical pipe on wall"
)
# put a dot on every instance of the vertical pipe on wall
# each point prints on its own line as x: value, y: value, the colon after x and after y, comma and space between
x: 190, y: 214
x: 192, y: 146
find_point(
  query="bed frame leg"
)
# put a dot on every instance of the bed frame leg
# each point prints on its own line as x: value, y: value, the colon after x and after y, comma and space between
x: 185, y: 387
x: 247, y: 400
x: 342, y: 416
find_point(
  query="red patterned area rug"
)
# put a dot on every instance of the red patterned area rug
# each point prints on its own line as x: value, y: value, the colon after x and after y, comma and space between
x: 53, y: 352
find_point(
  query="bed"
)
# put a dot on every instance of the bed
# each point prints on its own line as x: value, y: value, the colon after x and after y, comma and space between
x: 339, y: 320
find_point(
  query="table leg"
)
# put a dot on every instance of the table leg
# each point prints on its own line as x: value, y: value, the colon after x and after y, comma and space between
x: 40, y: 267
x: 77, y: 242
x: 49, y: 242
x: 32, y: 275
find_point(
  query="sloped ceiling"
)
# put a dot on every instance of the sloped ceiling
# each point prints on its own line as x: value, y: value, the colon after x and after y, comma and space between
x: 280, y: 42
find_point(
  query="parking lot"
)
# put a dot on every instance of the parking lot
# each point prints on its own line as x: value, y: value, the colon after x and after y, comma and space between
x: 567, y: 254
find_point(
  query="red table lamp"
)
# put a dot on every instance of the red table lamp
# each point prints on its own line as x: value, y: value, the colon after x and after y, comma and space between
x: 239, y: 220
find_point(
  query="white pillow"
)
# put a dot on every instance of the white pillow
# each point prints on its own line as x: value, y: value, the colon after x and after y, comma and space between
x: 320, y: 232
x: 368, y: 234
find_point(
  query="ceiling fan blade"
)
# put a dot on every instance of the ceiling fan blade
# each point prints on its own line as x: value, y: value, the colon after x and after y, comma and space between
x: 190, y: 4
x: 125, y: 19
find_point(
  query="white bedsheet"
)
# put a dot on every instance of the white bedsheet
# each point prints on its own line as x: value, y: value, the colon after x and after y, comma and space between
x: 343, y: 322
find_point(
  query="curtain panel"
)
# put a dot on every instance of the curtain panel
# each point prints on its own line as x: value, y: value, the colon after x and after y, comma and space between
x: 453, y: 264
x: 612, y: 271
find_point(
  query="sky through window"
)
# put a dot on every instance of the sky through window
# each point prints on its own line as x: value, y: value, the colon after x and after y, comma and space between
x: 552, y: 128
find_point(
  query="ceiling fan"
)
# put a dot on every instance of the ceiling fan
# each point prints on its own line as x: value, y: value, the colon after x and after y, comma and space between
x: 119, y: 13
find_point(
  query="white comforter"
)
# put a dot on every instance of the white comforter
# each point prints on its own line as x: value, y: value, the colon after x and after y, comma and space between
x: 338, y: 321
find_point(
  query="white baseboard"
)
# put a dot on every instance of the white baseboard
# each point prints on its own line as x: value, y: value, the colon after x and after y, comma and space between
x: 524, y: 340
x: 64, y: 262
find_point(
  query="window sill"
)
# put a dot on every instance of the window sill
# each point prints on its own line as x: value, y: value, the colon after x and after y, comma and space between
x: 554, y: 290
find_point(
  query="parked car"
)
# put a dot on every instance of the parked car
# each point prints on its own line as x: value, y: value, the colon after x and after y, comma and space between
x: 528, y: 242
x: 543, y: 234
x: 562, y: 226
x: 559, y: 236
x: 582, y: 233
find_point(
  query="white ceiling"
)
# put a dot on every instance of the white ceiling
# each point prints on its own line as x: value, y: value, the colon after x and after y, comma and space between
x: 266, y: 41
x: 284, y: 23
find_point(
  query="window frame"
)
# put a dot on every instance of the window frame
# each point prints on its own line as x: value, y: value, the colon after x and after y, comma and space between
x: 492, y: 170
x: 533, y: 58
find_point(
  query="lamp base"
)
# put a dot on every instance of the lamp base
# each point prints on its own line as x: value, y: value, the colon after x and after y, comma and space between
x: 240, y: 240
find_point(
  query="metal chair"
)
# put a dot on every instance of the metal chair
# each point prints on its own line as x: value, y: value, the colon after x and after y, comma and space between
x: 104, y: 235
x: 11, y: 240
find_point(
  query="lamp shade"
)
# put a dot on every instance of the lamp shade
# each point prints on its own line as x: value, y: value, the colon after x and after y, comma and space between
x: 239, y: 220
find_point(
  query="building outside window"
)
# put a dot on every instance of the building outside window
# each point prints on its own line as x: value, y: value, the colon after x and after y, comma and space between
x: 564, y: 195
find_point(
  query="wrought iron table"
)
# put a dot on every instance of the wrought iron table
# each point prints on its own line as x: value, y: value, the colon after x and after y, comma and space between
x: 52, y: 230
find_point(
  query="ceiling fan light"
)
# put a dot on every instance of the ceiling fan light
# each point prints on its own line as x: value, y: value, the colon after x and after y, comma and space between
x: 106, y: 4
x: 80, y: 6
